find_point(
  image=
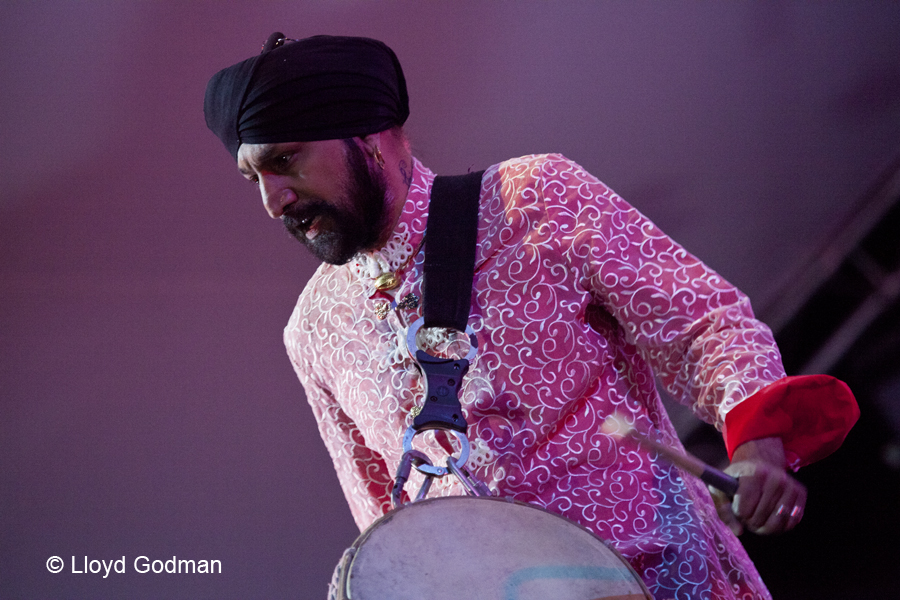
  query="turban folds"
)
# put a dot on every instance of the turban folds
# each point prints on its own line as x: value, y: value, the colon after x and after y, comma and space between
x: 318, y: 88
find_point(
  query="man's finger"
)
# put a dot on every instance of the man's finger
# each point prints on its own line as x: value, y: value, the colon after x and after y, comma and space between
x: 788, y: 512
x: 774, y: 490
x: 723, y: 509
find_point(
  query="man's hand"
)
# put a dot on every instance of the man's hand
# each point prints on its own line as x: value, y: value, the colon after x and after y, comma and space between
x: 768, y: 500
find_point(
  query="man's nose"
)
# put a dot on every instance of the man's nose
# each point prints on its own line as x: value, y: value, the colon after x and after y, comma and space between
x: 275, y: 195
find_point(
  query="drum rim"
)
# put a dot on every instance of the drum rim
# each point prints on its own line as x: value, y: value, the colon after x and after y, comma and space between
x: 346, y: 564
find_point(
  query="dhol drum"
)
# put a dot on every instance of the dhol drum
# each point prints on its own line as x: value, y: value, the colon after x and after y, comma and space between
x: 482, y: 548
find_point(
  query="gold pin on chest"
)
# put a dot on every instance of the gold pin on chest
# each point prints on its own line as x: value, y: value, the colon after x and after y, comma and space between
x: 386, y: 281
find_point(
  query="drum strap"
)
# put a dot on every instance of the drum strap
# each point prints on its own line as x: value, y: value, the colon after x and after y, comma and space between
x: 450, y: 250
x: 449, y: 271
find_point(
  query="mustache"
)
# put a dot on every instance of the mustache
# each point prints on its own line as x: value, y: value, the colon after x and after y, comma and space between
x: 297, y: 218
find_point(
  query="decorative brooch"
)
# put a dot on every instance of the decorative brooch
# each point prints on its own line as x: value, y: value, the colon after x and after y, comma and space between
x: 383, y: 308
x: 386, y: 281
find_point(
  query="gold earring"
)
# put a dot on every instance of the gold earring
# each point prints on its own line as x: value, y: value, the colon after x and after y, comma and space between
x: 379, y: 159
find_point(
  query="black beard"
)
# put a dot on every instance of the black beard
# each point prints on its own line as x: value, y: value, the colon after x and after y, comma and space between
x: 343, y: 233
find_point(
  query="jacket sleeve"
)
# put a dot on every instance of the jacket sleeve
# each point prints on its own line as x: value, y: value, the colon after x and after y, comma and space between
x: 361, y: 471
x: 696, y: 331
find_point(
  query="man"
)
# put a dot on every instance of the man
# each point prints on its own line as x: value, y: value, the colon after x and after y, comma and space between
x: 579, y: 302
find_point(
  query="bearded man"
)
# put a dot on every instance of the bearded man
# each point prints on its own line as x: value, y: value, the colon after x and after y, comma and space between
x: 579, y: 304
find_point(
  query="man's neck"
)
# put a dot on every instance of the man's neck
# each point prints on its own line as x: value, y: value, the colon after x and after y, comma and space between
x: 398, y: 172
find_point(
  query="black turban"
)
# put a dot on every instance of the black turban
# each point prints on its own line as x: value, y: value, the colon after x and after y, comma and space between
x: 318, y: 88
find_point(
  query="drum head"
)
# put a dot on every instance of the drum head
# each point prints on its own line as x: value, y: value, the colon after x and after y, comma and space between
x: 483, y: 549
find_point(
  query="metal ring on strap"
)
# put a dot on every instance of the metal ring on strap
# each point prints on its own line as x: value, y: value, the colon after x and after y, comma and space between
x: 413, y: 329
x: 435, y: 470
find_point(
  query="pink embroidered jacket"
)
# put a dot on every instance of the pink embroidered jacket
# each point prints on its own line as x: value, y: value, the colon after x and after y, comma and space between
x: 579, y: 303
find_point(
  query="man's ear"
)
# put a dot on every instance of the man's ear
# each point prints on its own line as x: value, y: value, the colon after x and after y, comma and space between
x: 370, y: 143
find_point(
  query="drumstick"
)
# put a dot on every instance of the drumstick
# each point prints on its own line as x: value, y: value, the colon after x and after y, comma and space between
x: 615, y: 425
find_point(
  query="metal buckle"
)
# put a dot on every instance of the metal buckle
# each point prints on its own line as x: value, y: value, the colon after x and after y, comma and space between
x: 441, y: 410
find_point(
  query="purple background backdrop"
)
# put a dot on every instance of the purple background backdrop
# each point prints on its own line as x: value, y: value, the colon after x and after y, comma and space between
x: 148, y: 407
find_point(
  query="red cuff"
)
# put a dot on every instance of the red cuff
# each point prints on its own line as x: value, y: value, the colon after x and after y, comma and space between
x: 812, y: 414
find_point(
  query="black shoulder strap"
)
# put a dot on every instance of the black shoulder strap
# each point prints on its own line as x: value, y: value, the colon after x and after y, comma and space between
x: 450, y: 250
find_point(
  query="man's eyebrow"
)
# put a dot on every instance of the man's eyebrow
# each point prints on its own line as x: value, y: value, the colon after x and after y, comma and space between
x: 266, y: 157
